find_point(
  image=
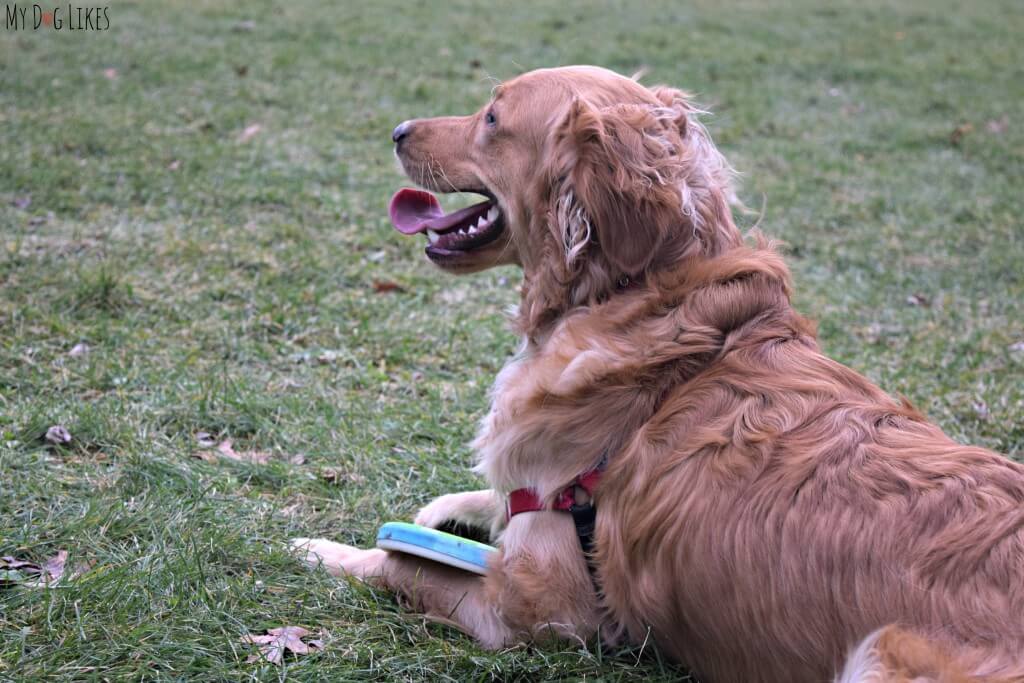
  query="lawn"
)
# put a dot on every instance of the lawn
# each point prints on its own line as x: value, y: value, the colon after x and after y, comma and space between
x: 194, y: 247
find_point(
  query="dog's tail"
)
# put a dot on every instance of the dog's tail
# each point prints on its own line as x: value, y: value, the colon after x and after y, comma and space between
x: 895, y: 655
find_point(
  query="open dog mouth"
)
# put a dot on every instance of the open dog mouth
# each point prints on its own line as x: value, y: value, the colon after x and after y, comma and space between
x: 415, y: 211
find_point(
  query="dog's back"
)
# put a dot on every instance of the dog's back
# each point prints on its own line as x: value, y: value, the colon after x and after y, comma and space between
x: 779, y: 507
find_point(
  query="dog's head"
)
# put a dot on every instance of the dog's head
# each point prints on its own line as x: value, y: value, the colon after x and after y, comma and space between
x: 592, y: 180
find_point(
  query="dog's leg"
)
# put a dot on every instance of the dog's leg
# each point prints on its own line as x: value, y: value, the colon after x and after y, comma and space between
x: 484, y: 509
x: 537, y: 585
x: 443, y: 593
x: 336, y: 558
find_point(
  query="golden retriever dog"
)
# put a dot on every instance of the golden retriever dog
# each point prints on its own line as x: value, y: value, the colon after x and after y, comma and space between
x: 763, y: 513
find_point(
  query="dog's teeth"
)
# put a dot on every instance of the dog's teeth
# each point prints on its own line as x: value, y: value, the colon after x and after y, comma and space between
x: 472, y: 230
x: 433, y: 236
x: 492, y: 214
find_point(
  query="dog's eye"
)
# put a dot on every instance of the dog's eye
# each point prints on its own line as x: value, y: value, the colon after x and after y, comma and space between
x: 490, y: 119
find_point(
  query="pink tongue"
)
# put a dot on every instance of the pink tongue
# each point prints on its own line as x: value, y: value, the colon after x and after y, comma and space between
x: 411, y: 210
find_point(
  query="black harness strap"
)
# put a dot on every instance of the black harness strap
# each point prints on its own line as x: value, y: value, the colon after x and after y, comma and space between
x: 584, y: 516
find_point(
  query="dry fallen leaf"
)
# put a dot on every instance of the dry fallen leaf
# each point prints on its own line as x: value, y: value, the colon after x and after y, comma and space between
x: 291, y: 510
x: 14, y: 571
x: 33, y: 575
x: 337, y: 475
x: 1017, y: 346
x: 53, y: 568
x: 250, y: 132
x: 110, y: 74
x: 79, y: 349
x: 327, y: 357
x: 8, y: 562
x: 257, y: 457
x: 205, y: 440
x: 998, y: 126
x: 58, y: 435
x: 959, y: 132
x: 382, y: 286
x: 211, y: 451
x: 174, y: 165
x: 273, y: 646
x: 918, y: 299
x: 11, y: 576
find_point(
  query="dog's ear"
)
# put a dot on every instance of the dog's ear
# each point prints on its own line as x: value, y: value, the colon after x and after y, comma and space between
x: 677, y: 107
x: 618, y: 181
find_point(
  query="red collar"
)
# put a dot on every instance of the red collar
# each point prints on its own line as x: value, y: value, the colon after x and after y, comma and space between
x: 526, y: 500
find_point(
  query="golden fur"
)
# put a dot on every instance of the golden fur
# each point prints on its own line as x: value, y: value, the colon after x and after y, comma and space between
x: 767, y: 514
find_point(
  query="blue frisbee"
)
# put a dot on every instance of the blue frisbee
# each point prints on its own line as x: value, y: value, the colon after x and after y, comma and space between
x: 435, y: 545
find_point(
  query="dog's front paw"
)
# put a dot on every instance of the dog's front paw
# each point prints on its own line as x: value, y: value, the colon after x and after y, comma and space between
x: 446, y: 508
x: 466, y: 512
x: 339, y: 559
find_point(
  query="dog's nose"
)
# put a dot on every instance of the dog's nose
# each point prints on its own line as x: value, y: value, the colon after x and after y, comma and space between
x: 401, y: 130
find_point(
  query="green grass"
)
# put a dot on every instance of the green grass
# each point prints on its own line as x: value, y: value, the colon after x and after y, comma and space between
x: 228, y: 287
